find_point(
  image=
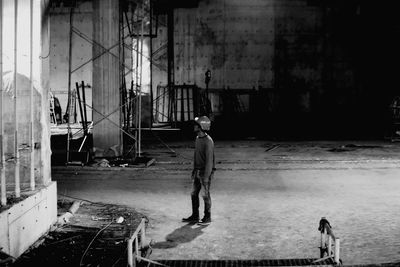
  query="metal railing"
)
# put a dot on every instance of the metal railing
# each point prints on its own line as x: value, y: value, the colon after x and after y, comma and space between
x: 139, y: 248
x: 330, y: 244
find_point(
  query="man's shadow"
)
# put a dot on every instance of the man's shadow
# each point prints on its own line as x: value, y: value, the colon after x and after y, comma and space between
x: 180, y: 235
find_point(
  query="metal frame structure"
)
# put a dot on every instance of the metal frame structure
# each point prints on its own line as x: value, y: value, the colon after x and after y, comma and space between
x: 327, y: 237
x: 130, y: 100
x: 138, y: 247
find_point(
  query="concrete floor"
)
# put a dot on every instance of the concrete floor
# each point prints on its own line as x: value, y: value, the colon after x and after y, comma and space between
x: 266, y: 202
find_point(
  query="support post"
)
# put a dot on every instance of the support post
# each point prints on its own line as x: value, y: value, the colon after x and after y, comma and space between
x: 182, y: 105
x: 71, y: 13
x: 329, y: 245
x: 323, y: 243
x: 84, y: 106
x: 139, y: 140
x: 151, y: 64
x: 3, y: 201
x: 130, y: 251
x: 137, y: 84
x: 337, y: 251
x: 16, y: 150
x: 32, y: 129
x: 188, y: 102
x: 136, y: 247
x: 170, y: 48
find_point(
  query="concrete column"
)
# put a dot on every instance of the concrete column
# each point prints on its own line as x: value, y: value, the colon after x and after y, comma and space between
x: 106, y: 96
x: 45, y: 149
x: 3, y: 197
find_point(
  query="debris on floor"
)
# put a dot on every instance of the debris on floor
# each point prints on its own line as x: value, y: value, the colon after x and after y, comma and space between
x: 95, y: 236
x: 103, y: 163
x: 137, y: 162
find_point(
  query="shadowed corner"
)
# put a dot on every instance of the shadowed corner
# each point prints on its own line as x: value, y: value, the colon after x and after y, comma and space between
x: 183, y: 234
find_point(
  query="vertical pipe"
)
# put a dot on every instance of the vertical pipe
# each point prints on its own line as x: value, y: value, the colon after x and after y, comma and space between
x: 131, y: 98
x: 137, y: 246
x: 3, y: 201
x: 16, y: 150
x: 170, y: 52
x: 121, y: 78
x: 151, y: 63
x: 164, y: 92
x: 169, y: 105
x: 84, y: 106
x: 188, y: 102
x: 195, y: 101
x: 337, y: 251
x: 182, y: 104
x: 143, y: 226
x: 175, y: 105
x: 329, y: 245
x: 80, y: 107
x: 170, y: 47
x: 137, y: 82
x: 140, y: 87
x: 69, y: 81
x: 323, y: 242
x: 130, y: 258
x: 32, y: 129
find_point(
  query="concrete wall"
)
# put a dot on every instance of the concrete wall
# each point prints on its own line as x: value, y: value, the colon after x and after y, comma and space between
x: 160, y: 56
x: 234, y: 39
x: 81, y: 52
x: 307, y: 58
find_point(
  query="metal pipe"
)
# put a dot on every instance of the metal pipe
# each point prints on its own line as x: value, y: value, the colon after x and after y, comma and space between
x: 84, y: 106
x: 182, y: 104
x: 329, y: 245
x: 188, y: 102
x: 136, y: 83
x: 3, y: 200
x: 16, y: 150
x: 69, y: 80
x: 140, y: 88
x: 151, y: 63
x: 80, y: 106
x: 136, y: 247
x: 143, y: 236
x: 131, y: 109
x: 83, y: 142
x: 170, y: 47
x: 32, y: 129
x: 121, y: 74
x: 323, y: 242
x: 130, y: 256
x: 337, y: 251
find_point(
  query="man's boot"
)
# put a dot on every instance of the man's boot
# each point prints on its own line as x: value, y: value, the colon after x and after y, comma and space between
x: 194, y: 218
x: 206, y: 219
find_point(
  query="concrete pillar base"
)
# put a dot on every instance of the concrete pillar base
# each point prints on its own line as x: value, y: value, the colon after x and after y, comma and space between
x: 25, y: 222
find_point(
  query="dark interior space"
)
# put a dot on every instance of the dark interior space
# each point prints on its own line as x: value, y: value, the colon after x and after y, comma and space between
x: 354, y: 53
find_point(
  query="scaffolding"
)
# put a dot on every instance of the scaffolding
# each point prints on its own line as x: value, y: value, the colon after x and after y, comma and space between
x: 135, y: 24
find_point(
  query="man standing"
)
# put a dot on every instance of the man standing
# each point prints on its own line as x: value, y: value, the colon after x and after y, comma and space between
x: 203, y: 171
